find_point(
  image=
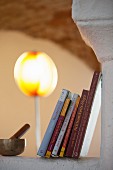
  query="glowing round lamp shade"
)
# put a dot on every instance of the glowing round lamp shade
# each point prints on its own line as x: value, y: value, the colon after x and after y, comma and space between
x: 35, y: 74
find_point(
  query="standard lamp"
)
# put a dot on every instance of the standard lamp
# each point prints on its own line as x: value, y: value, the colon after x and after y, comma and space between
x: 36, y: 75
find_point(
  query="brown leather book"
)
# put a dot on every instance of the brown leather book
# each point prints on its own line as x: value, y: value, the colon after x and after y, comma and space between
x: 86, y: 114
x: 70, y: 146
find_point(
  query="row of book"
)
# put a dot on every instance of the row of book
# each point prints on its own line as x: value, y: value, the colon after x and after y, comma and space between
x: 72, y: 124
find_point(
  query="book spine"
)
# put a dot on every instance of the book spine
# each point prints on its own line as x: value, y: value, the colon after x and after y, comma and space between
x: 95, y: 110
x: 79, y: 113
x: 58, y: 126
x: 52, y: 123
x: 64, y: 126
x: 85, y: 117
x: 67, y: 135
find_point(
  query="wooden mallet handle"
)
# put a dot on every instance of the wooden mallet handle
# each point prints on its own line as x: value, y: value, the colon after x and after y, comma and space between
x: 21, y: 131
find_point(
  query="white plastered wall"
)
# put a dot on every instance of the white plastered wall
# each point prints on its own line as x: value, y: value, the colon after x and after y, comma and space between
x: 95, y: 22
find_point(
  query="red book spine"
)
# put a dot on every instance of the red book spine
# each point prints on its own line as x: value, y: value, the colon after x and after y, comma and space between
x: 85, y: 117
x: 58, y: 126
x: 72, y: 139
x: 66, y: 138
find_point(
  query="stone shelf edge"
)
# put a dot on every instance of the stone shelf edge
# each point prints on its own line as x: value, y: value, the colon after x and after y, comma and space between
x: 24, y: 163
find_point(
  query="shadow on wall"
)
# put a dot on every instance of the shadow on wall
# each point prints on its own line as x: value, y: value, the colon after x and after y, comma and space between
x: 17, y: 109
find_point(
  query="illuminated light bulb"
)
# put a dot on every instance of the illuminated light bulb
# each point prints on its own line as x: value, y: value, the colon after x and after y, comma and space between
x: 35, y: 74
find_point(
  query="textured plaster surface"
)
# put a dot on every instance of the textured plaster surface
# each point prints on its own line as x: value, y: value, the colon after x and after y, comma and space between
x: 20, y: 163
x: 95, y: 22
x: 107, y: 116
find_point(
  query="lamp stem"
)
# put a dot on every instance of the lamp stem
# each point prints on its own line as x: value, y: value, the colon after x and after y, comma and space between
x: 37, y: 110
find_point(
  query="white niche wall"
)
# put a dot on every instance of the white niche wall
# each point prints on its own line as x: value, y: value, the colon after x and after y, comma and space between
x: 17, y: 109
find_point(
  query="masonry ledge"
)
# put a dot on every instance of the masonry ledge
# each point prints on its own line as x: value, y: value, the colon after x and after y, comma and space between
x: 24, y: 163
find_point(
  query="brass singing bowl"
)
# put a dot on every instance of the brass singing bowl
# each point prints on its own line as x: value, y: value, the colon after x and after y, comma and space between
x: 11, y: 147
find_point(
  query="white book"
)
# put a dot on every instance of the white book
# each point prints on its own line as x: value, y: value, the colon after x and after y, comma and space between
x: 92, y: 121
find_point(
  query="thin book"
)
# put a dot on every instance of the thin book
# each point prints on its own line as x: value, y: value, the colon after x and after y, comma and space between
x: 95, y: 110
x: 64, y: 126
x: 71, y: 143
x: 52, y: 123
x: 58, y: 126
x: 69, y: 128
x: 86, y: 115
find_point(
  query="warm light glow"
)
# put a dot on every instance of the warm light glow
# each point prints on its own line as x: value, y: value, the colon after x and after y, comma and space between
x: 35, y: 74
